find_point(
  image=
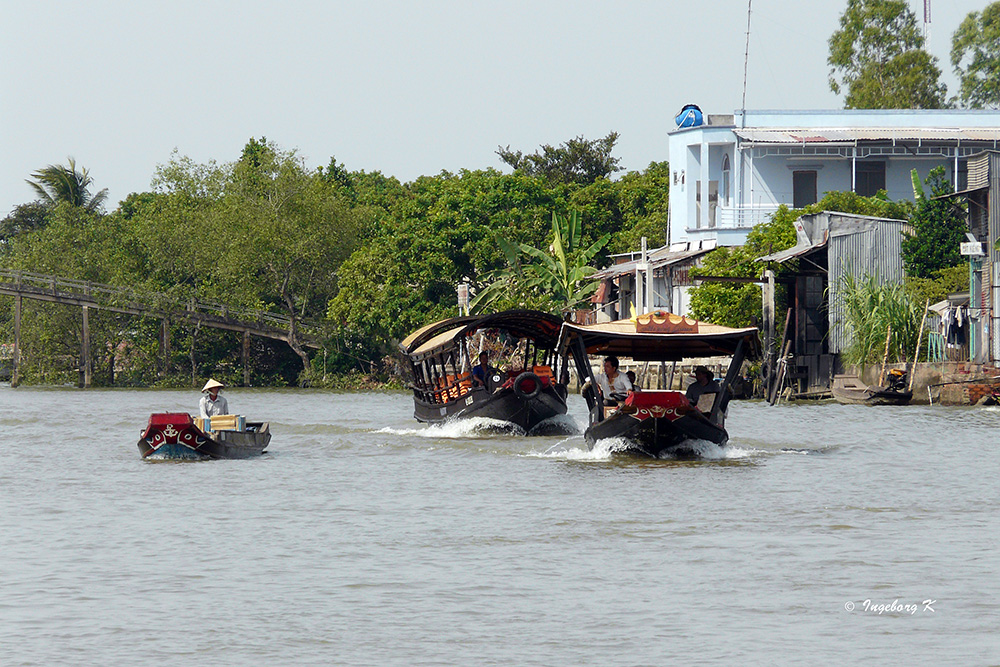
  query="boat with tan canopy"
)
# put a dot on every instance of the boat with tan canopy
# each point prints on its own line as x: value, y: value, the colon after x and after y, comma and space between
x: 651, y: 421
x: 521, y: 388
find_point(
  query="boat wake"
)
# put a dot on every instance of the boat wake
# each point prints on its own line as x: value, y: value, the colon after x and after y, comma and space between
x: 558, y: 425
x: 460, y: 428
x: 160, y: 458
x: 706, y: 450
x: 574, y: 449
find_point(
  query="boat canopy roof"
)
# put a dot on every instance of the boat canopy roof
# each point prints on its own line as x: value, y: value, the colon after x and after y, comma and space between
x: 428, y: 331
x: 541, y: 327
x: 659, y: 336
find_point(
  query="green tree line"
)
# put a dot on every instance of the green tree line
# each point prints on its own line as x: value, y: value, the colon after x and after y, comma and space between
x: 355, y: 259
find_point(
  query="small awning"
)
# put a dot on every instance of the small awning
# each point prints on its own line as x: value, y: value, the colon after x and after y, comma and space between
x: 962, y: 193
x: 657, y: 259
x: 616, y: 270
x: 791, y: 253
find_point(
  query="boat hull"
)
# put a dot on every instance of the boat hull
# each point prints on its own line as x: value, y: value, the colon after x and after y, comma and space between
x: 502, y: 405
x: 175, y: 437
x: 657, y: 424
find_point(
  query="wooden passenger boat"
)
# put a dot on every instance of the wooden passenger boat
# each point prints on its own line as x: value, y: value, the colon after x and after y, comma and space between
x: 850, y: 390
x: 657, y: 422
x: 179, y: 436
x: 441, y: 355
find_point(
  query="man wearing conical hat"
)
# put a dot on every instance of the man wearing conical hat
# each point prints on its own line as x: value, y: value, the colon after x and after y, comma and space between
x: 212, y: 404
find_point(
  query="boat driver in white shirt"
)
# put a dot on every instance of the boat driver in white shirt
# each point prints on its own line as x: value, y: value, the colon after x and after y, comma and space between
x: 612, y: 382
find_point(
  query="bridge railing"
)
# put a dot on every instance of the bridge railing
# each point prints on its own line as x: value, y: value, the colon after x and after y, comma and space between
x: 111, y: 294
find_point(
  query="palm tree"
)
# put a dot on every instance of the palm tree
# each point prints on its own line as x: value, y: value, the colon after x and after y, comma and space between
x: 57, y: 183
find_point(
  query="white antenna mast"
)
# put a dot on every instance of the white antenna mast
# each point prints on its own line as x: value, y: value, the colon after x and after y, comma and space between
x: 927, y: 19
x: 746, y: 60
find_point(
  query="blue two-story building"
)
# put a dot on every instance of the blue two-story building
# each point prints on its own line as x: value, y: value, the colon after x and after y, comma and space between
x: 730, y: 172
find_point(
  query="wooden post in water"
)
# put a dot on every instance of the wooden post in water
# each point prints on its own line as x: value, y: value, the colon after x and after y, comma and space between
x: 15, y: 371
x: 246, y: 358
x: 885, y: 359
x: 767, y: 307
x: 85, y: 361
x: 920, y: 338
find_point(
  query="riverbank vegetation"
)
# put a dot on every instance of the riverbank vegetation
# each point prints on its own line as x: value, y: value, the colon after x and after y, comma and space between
x: 882, y: 321
x: 355, y: 259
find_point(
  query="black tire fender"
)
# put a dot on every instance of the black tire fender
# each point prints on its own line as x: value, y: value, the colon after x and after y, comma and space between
x: 522, y: 379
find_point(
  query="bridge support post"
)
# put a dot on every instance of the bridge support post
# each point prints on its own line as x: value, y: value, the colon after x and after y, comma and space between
x: 15, y: 371
x: 85, y: 360
x: 246, y: 358
x: 164, y: 347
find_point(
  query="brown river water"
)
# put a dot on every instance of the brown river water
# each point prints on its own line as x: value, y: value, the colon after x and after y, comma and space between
x: 824, y: 534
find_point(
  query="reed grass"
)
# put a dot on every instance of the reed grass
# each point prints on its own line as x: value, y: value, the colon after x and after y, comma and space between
x: 870, y: 310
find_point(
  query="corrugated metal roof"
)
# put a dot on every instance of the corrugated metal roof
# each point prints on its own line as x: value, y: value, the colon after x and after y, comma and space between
x: 616, y: 270
x: 671, y: 258
x: 656, y: 259
x: 793, y: 252
x: 841, y: 135
x: 962, y: 193
x: 815, y: 231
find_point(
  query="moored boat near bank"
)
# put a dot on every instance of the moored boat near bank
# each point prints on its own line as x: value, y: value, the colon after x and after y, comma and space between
x: 440, y: 366
x: 849, y: 389
x: 179, y: 436
x: 657, y: 422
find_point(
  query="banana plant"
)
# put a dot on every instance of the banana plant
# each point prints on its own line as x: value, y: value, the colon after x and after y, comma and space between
x: 561, y: 273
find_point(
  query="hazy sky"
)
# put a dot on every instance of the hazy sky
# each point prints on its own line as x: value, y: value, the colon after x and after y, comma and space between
x: 405, y: 88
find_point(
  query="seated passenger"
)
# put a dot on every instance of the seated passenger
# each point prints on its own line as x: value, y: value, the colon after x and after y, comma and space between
x: 631, y: 378
x: 482, y: 372
x: 211, y: 404
x: 704, y: 383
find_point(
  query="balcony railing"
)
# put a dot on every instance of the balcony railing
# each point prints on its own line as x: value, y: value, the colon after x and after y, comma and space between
x: 743, y: 217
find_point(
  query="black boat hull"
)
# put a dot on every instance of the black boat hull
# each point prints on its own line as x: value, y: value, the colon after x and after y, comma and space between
x: 658, y: 436
x: 502, y: 405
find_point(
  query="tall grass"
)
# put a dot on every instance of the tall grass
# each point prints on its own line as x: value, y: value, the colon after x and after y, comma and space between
x: 870, y: 310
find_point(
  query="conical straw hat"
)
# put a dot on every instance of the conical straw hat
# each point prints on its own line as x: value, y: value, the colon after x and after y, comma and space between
x: 212, y: 384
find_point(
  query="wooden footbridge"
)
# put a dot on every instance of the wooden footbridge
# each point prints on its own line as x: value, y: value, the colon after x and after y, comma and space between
x: 87, y: 296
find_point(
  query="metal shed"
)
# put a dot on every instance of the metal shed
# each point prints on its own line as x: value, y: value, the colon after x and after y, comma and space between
x: 830, y: 246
